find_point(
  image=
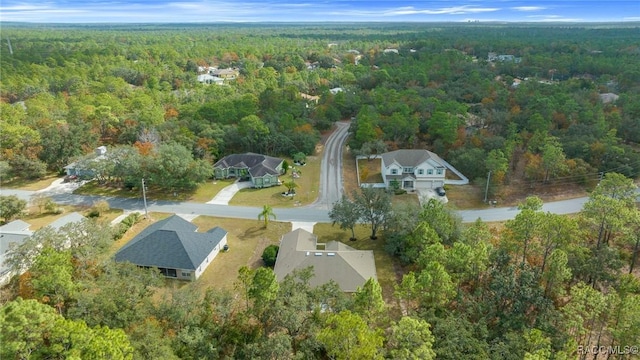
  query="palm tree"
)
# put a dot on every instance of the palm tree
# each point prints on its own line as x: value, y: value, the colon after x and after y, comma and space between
x: 291, y: 185
x: 267, y: 212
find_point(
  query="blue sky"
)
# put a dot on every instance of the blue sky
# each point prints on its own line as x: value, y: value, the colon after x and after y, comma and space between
x: 168, y: 11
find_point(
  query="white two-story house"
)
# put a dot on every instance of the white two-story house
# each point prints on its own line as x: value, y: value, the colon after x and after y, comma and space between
x: 413, y: 169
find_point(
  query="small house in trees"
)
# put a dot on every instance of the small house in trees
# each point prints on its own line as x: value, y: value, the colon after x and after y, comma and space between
x: 413, y: 169
x: 11, y: 234
x: 210, y: 79
x: 348, y: 267
x: 174, y: 247
x: 262, y: 170
x: 80, y: 168
x: 228, y: 73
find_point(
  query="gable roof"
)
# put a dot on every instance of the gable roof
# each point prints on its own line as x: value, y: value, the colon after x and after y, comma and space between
x: 14, y: 232
x: 348, y: 267
x: 67, y: 219
x: 410, y: 157
x: 257, y: 164
x: 171, y: 243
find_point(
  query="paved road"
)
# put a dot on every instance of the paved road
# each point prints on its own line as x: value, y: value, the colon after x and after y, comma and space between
x: 302, y: 214
x: 331, y: 188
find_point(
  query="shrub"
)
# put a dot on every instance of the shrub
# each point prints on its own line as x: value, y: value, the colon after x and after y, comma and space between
x: 270, y: 254
x: 93, y: 213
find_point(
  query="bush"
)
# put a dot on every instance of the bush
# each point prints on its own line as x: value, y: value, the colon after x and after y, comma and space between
x: 125, y: 224
x: 270, y: 254
x: 93, y: 213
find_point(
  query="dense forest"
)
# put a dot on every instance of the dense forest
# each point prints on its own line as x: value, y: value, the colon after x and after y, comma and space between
x: 534, y: 105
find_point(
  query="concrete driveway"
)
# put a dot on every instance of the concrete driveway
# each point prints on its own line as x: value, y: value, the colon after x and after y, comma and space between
x: 425, y: 194
x: 227, y: 193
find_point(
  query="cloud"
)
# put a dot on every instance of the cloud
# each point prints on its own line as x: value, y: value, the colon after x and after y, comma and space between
x: 528, y: 8
x: 410, y: 10
x: 553, y: 18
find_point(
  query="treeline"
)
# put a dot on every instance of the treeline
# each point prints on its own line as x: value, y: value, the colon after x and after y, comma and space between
x: 69, y: 89
x: 544, y: 286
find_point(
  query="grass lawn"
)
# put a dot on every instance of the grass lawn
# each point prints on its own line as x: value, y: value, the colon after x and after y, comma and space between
x: 369, y: 170
x: 202, y: 194
x: 246, y: 239
x: 466, y: 196
x: 307, y: 190
x: 31, y: 185
x: 38, y: 220
x: 386, y: 268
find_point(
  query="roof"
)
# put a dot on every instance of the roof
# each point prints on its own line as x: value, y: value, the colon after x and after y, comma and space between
x: 14, y: 232
x: 171, y: 243
x: 15, y: 225
x: 257, y: 164
x: 67, y: 219
x: 410, y: 157
x: 348, y: 267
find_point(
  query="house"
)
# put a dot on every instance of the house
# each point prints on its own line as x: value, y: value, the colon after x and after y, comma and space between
x: 79, y: 168
x: 228, y: 73
x: 262, y: 170
x: 390, y: 51
x: 174, y: 247
x: 336, y: 90
x: 74, y: 217
x: 608, y: 98
x: 210, y: 79
x: 413, y: 169
x: 492, y: 56
x: 348, y: 267
x: 11, y: 234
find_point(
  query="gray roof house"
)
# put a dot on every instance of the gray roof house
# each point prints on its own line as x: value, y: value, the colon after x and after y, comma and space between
x: 14, y: 233
x: 348, y: 267
x: 413, y: 169
x: 262, y: 170
x: 79, y: 168
x: 70, y: 218
x: 174, y: 247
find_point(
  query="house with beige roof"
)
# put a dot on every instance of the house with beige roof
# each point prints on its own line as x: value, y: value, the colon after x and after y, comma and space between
x: 348, y: 267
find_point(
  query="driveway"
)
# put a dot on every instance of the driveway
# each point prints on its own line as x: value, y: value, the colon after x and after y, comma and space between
x: 425, y: 194
x: 331, y: 187
x: 228, y: 192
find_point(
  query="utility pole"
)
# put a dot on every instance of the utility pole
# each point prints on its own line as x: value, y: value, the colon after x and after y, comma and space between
x: 486, y: 190
x: 144, y: 198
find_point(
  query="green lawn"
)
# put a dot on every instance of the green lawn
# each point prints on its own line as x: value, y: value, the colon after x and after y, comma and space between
x: 307, y: 190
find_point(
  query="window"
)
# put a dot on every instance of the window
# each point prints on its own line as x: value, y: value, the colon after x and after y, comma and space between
x: 394, y: 171
x: 266, y: 180
x: 430, y: 172
x: 186, y: 274
x: 420, y: 171
x: 407, y: 170
x: 439, y: 171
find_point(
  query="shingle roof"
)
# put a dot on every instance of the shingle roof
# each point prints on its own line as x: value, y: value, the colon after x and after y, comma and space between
x: 348, y: 267
x: 14, y: 232
x: 171, y: 243
x: 410, y: 157
x: 67, y: 219
x: 257, y: 164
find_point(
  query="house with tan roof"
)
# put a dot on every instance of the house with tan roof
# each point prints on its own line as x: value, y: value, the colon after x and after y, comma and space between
x: 348, y: 267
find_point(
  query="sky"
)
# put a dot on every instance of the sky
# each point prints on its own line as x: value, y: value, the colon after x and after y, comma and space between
x: 180, y: 11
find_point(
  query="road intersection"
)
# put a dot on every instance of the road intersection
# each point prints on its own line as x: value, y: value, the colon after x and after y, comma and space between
x: 330, y: 191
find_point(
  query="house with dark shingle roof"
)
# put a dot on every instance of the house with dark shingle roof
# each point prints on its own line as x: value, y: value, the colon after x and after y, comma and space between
x: 413, y: 169
x: 262, y: 170
x: 174, y: 247
x: 348, y: 267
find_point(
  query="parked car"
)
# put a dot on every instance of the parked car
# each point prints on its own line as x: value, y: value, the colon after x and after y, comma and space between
x: 440, y: 191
